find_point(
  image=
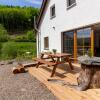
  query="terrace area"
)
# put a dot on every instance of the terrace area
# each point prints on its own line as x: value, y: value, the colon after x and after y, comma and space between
x: 59, y: 84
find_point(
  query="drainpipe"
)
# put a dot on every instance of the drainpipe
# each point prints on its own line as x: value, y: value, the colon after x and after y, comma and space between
x: 38, y: 35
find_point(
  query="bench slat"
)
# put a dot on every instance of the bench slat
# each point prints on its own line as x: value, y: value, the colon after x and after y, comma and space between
x: 45, y: 62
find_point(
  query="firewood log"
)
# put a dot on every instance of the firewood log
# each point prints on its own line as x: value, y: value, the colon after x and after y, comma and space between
x: 21, y: 69
x: 15, y: 70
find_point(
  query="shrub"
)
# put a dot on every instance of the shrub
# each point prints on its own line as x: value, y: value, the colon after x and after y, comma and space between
x: 28, y: 37
x: 9, y: 50
x: 12, y: 50
x: 54, y: 50
x: 21, y: 38
x: 0, y: 48
x: 3, y: 34
x: 31, y: 36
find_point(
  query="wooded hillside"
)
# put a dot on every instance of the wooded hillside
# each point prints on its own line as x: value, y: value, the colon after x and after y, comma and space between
x: 17, y: 19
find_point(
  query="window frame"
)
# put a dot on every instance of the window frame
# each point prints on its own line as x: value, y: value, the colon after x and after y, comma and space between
x: 83, y: 47
x: 52, y: 16
x: 68, y: 42
x: 70, y: 6
x: 46, y: 45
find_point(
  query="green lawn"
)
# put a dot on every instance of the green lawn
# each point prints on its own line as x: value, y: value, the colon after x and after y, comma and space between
x: 17, y: 50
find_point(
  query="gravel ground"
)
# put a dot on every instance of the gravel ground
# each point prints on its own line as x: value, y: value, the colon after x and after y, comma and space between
x: 21, y: 86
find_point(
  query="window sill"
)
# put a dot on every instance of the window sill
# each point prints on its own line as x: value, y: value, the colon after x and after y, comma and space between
x: 52, y: 17
x: 69, y: 7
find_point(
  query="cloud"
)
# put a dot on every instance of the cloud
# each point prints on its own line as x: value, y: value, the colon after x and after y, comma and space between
x: 36, y: 2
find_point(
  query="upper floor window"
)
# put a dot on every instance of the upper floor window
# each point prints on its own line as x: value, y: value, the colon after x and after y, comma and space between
x: 52, y: 11
x: 71, y: 3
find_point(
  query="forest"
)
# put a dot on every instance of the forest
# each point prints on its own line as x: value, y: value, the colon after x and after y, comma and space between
x: 17, y: 19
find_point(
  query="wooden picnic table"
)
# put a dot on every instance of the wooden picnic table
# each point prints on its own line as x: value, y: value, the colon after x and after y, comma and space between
x: 55, y: 60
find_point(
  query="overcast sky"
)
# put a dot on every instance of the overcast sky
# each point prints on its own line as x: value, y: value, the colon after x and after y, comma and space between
x: 33, y: 3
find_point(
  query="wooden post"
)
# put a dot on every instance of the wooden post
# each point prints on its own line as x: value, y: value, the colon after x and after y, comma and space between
x: 75, y: 46
x: 92, y: 41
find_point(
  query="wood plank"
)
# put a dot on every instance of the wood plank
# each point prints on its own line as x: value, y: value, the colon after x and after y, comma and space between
x: 63, y: 92
x: 45, y: 62
x: 42, y: 79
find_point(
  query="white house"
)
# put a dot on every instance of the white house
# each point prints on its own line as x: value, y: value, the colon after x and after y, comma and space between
x: 71, y: 26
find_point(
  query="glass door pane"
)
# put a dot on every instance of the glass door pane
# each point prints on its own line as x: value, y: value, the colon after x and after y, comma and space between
x: 84, y: 41
x: 68, y: 42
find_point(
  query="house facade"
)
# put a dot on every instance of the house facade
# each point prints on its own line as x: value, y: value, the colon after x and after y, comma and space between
x: 70, y: 26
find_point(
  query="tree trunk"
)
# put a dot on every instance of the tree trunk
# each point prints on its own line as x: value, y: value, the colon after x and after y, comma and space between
x: 89, y: 77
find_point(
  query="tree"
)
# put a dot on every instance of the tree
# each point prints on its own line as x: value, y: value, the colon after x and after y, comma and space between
x: 3, y: 34
x: 17, y: 18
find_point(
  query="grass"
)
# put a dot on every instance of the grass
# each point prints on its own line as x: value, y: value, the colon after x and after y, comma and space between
x: 18, y: 50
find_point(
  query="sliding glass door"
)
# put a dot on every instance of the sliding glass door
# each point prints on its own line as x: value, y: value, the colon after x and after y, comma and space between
x: 78, y: 42
x: 83, y: 41
x: 68, y: 42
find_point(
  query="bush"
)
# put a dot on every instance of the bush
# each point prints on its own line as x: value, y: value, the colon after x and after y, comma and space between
x: 28, y: 37
x: 0, y: 48
x: 21, y: 38
x: 9, y: 50
x: 12, y: 50
x: 31, y: 36
x: 4, y: 37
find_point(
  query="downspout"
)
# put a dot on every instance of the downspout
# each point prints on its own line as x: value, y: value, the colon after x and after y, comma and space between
x: 39, y: 36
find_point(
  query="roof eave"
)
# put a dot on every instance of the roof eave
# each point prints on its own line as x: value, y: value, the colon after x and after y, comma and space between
x: 41, y: 12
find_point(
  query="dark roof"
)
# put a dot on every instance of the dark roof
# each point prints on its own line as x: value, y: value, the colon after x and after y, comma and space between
x: 41, y: 11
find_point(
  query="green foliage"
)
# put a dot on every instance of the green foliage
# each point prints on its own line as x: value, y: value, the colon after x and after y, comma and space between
x: 3, y: 34
x: 16, y: 50
x: 9, y: 50
x: 54, y: 50
x: 21, y: 38
x: 31, y: 36
x: 17, y: 18
x: 0, y: 47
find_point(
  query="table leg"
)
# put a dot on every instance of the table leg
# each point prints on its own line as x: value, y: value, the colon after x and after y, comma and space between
x: 41, y: 56
x: 70, y: 63
x: 54, y: 70
x: 53, y: 59
x: 37, y: 64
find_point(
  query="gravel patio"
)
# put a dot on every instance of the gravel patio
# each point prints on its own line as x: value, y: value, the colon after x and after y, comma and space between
x: 21, y: 86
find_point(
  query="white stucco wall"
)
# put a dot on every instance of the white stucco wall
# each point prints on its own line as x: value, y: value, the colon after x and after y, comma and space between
x: 84, y: 13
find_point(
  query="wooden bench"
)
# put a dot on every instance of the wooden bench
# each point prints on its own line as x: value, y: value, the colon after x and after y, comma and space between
x: 49, y: 63
x: 42, y: 61
x: 73, y: 59
x: 53, y: 62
